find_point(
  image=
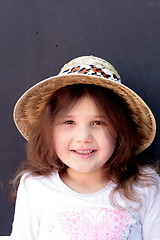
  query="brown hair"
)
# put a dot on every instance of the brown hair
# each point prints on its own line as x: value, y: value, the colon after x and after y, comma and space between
x: 123, y: 168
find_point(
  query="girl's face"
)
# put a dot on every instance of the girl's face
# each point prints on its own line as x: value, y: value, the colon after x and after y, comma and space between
x: 81, y: 138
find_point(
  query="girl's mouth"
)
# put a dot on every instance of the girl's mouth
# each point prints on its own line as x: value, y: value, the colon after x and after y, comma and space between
x: 84, y: 154
x: 83, y: 151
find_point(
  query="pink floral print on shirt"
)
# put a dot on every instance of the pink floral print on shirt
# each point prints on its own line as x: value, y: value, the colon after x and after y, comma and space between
x: 108, y: 224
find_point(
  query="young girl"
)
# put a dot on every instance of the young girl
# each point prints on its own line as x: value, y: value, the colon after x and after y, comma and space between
x: 83, y: 179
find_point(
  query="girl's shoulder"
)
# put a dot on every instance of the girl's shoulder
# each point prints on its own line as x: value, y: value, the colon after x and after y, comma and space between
x: 149, y: 182
x: 30, y: 180
x: 150, y: 173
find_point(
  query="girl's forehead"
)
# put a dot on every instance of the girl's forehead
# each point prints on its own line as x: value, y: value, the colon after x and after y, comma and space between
x: 77, y: 107
x: 85, y: 107
x: 84, y: 102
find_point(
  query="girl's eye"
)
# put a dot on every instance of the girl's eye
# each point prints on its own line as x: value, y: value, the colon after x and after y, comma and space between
x: 69, y: 122
x: 97, y: 123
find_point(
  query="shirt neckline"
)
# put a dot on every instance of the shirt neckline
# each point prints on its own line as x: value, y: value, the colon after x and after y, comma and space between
x: 71, y: 191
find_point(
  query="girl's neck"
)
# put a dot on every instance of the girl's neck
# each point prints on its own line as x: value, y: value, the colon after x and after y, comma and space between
x: 83, y: 182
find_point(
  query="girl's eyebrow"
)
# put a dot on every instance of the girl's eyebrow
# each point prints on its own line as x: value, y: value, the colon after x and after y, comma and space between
x: 94, y: 116
x: 67, y: 115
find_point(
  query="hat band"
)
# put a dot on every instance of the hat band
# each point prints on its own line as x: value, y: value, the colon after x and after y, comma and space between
x: 92, y: 70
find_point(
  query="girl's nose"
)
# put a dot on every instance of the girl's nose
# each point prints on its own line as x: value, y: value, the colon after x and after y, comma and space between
x: 83, y: 134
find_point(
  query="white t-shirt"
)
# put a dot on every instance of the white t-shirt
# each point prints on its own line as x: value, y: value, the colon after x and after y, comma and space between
x: 47, y: 209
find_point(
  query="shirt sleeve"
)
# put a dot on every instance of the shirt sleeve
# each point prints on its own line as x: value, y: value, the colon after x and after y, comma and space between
x: 151, y: 222
x: 25, y: 224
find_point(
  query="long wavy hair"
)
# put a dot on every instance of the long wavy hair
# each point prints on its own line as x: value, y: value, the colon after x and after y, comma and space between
x: 123, y: 168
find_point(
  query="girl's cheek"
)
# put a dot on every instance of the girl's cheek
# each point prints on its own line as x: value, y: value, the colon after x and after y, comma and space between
x: 111, y: 135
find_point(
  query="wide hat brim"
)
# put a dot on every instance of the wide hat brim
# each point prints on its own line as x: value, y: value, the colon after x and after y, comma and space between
x: 31, y: 103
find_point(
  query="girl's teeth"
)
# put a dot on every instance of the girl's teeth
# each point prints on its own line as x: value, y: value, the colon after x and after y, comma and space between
x: 84, y: 152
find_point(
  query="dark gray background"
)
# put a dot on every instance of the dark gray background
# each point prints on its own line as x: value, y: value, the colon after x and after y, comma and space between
x: 38, y: 36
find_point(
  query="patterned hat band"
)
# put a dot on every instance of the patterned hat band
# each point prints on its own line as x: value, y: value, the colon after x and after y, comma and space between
x: 92, y: 70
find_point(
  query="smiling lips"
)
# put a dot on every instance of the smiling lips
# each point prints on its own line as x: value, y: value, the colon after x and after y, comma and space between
x: 84, y: 153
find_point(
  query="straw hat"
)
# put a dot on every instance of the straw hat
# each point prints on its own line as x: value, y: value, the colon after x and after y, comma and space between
x: 89, y: 70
